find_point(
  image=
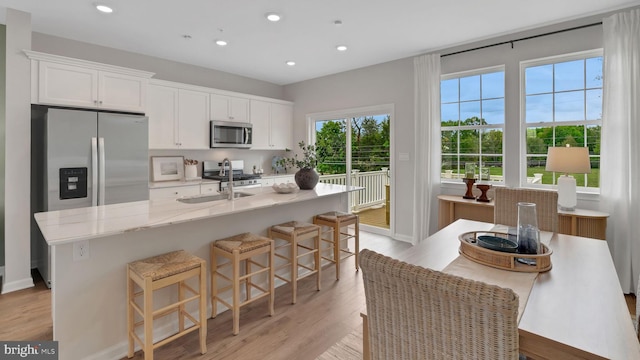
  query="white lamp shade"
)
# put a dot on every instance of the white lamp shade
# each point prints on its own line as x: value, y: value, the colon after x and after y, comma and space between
x: 568, y: 160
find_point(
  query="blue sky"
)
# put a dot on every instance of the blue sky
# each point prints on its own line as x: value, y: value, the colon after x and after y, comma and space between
x: 573, y: 93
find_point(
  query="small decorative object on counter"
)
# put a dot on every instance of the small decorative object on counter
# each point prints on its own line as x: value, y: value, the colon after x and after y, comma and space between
x: 528, y: 232
x: 484, y: 188
x: 190, y: 169
x: 306, y: 178
x: 469, y: 171
x: 469, y: 193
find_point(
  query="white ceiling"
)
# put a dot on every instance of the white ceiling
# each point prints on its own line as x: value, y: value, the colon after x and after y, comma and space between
x: 375, y: 31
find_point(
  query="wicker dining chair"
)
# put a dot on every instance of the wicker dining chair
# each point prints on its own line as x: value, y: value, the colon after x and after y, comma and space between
x: 506, y: 200
x: 418, y: 313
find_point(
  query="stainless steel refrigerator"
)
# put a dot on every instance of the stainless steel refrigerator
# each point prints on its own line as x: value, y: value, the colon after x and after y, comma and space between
x: 83, y: 158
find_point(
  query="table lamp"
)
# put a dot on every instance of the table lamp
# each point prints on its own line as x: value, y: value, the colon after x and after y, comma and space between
x: 568, y: 160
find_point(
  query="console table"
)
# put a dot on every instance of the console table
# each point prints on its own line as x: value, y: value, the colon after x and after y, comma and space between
x: 586, y: 223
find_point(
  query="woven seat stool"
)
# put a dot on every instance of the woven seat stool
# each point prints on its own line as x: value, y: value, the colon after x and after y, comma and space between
x: 295, y: 233
x: 237, y: 249
x: 338, y: 224
x: 158, y: 272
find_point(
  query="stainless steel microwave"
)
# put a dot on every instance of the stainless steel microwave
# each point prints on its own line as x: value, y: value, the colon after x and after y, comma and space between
x: 231, y: 134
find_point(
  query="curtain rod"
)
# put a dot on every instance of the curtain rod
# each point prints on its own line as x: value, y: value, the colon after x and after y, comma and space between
x: 524, y: 38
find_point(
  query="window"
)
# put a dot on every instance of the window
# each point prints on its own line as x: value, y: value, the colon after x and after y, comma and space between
x: 472, y: 120
x: 562, y: 105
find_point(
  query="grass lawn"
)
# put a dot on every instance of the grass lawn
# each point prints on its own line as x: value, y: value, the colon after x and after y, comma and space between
x: 593, y: 179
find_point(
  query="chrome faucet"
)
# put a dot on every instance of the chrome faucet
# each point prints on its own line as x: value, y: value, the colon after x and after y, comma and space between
x: 230, y: 184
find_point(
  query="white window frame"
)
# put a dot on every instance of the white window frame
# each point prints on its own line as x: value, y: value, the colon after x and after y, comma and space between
x: 581, y: 55
x: 467, y: 73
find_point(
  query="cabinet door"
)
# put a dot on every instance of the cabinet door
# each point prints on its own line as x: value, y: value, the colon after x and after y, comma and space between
x: 121, y: 92
x: 219, y: 107
x: 162, y: 111
x: 229, y: 108
x: 281, y: 126
x: 67, y: 85
x: 260, y: 115
x: 238, y: 109
x: 193, y: 119
x: 174, y: 192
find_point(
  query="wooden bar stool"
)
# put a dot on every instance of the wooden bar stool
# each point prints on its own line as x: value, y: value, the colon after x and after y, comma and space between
x: 339, y: 223
x: 156, y: 273
x: 294, y: 233
x: 236, y: 249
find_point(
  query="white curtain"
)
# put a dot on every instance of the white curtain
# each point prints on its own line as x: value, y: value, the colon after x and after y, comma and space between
x: 427, y: 143
x: 620, y: 170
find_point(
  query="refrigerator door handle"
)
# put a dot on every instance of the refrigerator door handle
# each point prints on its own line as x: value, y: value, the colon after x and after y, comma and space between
x: 102, y: 175
x: 94, y: 171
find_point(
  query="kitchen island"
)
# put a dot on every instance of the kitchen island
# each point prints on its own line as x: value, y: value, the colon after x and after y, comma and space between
x: 91, y: 247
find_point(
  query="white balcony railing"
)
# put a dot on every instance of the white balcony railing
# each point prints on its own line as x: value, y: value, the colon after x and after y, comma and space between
x: 373, y: 181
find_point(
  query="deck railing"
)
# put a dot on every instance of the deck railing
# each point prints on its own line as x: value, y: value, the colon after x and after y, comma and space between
x: 373, y: 181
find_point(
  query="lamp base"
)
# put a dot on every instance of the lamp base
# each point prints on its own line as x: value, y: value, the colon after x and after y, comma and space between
x: 567, y: 199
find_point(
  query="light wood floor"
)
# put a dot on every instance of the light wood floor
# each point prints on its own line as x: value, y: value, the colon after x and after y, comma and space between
x: 302, y: 331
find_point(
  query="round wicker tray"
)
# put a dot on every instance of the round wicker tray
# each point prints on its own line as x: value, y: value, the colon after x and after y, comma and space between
x: 501, y: 260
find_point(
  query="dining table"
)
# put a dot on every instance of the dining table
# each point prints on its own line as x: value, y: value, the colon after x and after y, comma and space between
x: 576, y: 310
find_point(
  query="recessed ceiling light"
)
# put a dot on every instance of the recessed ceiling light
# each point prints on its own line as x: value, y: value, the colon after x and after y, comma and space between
x: 221, y: 43
x: 291, y: 63
x: 341, y: 48
x: 273, y: 17
x: 104, y: 8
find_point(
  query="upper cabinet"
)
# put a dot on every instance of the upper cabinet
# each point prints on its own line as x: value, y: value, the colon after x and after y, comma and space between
x: 272, y: 125
x: 58, y: 80
x: 178, y: 116
x: 229, y: 108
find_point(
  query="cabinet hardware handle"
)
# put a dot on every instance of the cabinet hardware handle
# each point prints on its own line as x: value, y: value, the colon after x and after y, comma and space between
x: 100, y: 102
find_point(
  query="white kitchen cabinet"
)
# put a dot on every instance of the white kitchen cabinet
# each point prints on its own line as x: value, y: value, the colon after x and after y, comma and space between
x: 162, y: 110
x: 178, y: 118
x: 58, y: 80
x: 229, y: 108
x: 193, y: 119
x: 272, y: 125
x: 174, y: 192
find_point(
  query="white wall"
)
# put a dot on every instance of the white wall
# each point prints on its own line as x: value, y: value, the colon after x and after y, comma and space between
x: 388, y: 83
x: 17, y: 153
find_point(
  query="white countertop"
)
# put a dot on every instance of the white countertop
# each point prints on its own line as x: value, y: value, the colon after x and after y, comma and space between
x: 67, y: 226
x: 165, y: 184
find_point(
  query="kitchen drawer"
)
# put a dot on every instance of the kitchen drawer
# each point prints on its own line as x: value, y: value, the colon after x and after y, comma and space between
x: 174, y: 192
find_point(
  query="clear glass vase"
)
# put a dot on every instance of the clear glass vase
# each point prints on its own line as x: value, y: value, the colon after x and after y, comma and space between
x: 528, y: 232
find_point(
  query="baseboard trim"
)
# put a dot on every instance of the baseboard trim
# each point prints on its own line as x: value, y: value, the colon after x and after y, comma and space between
x: 17, y: 285
x: 404, y: 238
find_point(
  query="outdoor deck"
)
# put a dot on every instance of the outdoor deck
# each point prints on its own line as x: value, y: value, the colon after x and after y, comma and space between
x: 374, y: 217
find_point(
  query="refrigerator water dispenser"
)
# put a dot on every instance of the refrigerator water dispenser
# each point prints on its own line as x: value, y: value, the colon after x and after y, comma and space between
x: 73, y: 183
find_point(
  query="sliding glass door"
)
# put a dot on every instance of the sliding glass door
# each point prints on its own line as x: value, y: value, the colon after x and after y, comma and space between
x: 355, y: 150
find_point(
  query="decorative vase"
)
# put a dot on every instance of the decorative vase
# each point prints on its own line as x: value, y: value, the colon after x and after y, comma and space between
x: 306, y: 179
x: 528, y: 232
x: 190, y: 172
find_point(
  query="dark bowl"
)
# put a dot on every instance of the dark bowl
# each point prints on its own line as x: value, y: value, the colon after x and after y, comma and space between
x: 497, y: 243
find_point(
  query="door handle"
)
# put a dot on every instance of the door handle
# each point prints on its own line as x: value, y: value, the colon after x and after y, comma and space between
x: 101, y: 199
x: 94, y: 171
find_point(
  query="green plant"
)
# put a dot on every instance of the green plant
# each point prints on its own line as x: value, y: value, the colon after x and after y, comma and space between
x: 308, y: 161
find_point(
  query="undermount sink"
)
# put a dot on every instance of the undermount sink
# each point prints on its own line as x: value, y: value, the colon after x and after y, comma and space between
x: 205, y: 198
